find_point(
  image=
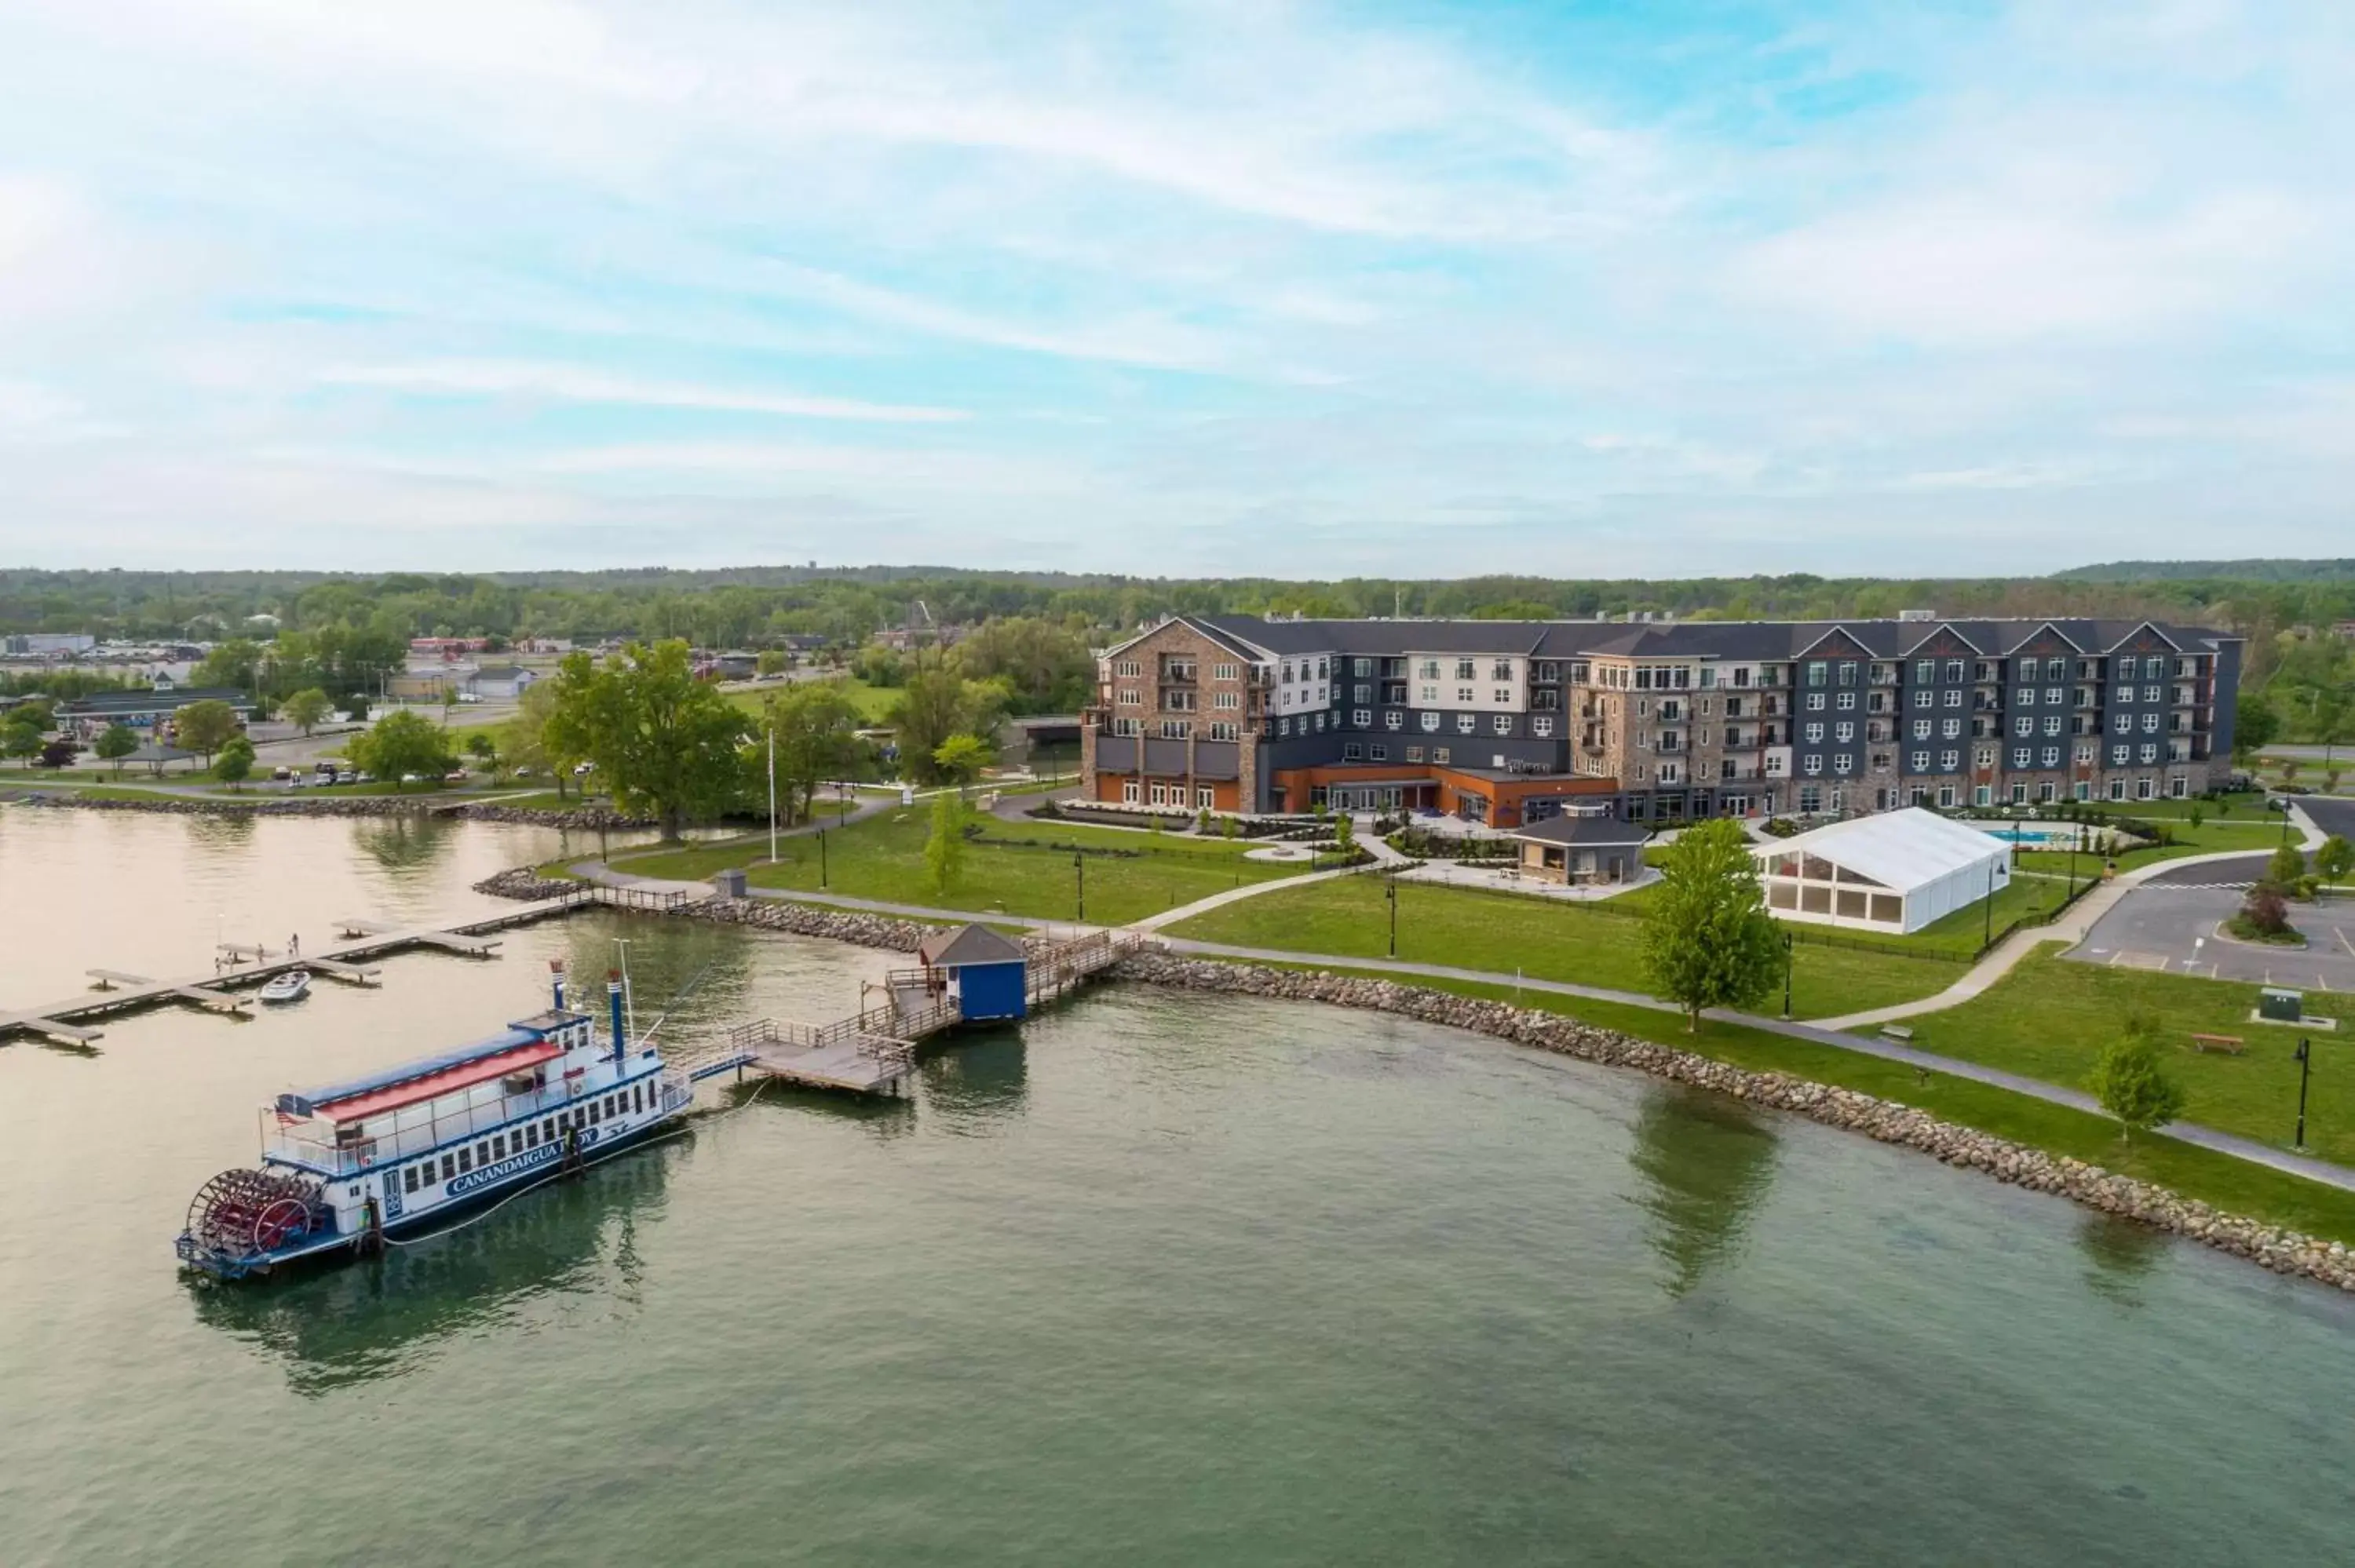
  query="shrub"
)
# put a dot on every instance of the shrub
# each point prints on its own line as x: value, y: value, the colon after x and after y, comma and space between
x: 2130, y: 1082
x: 2264, y: 914
x: 2286, y: 867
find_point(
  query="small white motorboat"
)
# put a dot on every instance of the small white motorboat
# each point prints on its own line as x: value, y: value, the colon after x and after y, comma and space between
x: 287, y: 985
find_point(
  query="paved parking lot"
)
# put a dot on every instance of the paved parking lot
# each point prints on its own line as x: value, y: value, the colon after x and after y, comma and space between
x: 2173, y: 928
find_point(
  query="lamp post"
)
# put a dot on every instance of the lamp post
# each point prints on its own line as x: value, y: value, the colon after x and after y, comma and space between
x: 1079, y: 883
x: 1988, y: 939
x: 1786, y: 976
x: 2305, y: 1066
x: 1390, y: 890
x: 821, y: 858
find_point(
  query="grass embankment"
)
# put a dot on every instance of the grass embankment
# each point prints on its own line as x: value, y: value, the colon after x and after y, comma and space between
x: 873, y: 703
x: 1468, y: 928
x: 2218, y: 1179
x: 2050, y: 1017
x: 1021, y: 872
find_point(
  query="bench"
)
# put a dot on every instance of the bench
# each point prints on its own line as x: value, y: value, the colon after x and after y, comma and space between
x: 1897, y: 1032
x: 2232, y: 1045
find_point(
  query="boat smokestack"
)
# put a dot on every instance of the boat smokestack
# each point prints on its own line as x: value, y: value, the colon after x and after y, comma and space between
x: 555, y: 971
x: 613, y: 1001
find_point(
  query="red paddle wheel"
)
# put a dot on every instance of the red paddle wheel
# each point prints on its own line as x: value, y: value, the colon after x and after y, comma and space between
x: 241, y: 1216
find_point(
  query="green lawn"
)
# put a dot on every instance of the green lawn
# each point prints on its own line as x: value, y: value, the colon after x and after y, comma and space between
x: 2048, y: 1017
x: 883, y: 857
x: 2218, y: 1179
x: 873, y: 703
x: 2208, y: 838
x: 1542, y: 937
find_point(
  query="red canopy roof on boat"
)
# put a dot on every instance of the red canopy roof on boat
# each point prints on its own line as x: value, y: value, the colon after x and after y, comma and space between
x: 430, y: 1085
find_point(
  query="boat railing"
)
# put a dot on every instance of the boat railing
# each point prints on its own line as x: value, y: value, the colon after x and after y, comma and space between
x: 338, y: 1157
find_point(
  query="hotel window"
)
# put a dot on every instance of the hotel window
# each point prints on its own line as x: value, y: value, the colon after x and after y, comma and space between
x: 1464, y: 696
x: 1921, y: 729
x: 2178, y: 786
x: 2143, y: 790
x: 1222, y: 730
x: 1352, y: 752
x: 1361, y: 693
x: 1844, y: 731
x: 1464, y: 669
x: 1843, y: 763
x: 1953, y: 696
x: 1414, y: 754
x: 1504, y: 724
x: 1542, y: 727
x: 1952, y: 730
x: 2051, y: 757
x: 2053, y: 696
x: 1815, y: 734
x: 1429, y: 693
x: 1848, y: 673
x: 1501, y: 671
x: 1379, y: 752
x: 1392, y: 719
x: 1226, y: 672
x: 2023, y: 725
x: 1463, y: 724
x: 2121, y: 755
x: 1926, y: 671
x: 1847, y: 702
x: 1503, y: 696
x: 1128, y: 667
x: 2082, y: 791
x: 2056, y: 669
x: 2122, y: 724
x: 1816, y: 670
x: 2053, y: 724
x: 2117, y: 789
x: 1439, y: 756
x: 1282, y: 726
x: 1953, y: 669
x: 1430, y: 722
x: 1950, y: 760
x: 1362, y: 719
x: 1320, y: 724
x: 1925, y: 697
x: 1179, y: 729
x: 2125, y: 694
x: 2021, y: 756
x: 2150, y: 724
x: 2154, y: 667
x: 2149, y: 755
x: 1430, y: 670
x: 2088, y: 755
x: 1361, y: 667
x: 1320, y: 671
x: 1131, y: 698
x: 1987, y: 755
x: 1814, y: 764
x: 1814, y: 702
x: 1227, y: 700
x: 1283, y: 677
x: 2026, y: 697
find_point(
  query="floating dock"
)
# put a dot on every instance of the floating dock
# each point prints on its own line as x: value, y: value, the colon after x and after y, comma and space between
x: 873, y: 1052
x: 119, y: 992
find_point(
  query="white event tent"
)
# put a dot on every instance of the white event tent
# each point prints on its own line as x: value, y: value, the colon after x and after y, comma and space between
x: 1895, y: 870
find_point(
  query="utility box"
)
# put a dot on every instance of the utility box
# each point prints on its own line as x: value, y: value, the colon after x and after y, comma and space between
x: 730, y: 883
x: 2279, y: 1005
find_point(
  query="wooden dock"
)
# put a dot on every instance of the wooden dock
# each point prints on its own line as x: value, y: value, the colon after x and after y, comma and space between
x: 119, y: 992
x: 873, y: 1052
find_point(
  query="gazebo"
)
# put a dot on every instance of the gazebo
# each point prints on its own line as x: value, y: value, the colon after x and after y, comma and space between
x: 1576, y: 848
x: 1895, y: 870
x: 157, y: 755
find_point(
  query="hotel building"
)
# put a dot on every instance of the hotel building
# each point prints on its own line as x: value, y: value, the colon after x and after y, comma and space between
x: 1511, y: 722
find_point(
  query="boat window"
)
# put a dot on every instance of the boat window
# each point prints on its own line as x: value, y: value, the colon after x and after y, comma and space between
x: 409, y: 1179
x: 531, y: 1136
x: 483, y: 1152
x: 637, y: 1097
x: 609, y: 1106
x: 449, y: 1166
x: 466, y: 1160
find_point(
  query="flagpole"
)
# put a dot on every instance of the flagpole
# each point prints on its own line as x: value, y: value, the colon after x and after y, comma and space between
x: 772, y: 794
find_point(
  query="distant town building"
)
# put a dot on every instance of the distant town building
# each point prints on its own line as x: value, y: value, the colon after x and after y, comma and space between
x: 46, y: 644
x: 86, y: 717
x: 499, y: 681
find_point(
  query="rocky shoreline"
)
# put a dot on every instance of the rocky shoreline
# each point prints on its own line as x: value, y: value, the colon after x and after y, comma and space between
x: 852, y: 926
x: 2271, y: 1247
x: 586, y: 819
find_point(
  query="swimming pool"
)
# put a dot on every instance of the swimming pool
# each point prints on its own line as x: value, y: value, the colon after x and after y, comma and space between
x: 2060, y: 837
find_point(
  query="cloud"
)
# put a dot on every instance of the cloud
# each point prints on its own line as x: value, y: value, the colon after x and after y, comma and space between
x: 576, y: 385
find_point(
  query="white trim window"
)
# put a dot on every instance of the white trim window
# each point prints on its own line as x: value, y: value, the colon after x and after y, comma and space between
x: 1430, y: 722
x: 1362, y: 719
x: 1504, y: 724
x: 2021, y: 756
x: 1463, y: 723
x: 1128, y: 793
x: 1541, y: 726
x: 1921, y: 761
x: 1393, y: 719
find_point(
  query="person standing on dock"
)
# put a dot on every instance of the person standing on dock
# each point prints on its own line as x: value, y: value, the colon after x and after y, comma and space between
x: 295, y: 946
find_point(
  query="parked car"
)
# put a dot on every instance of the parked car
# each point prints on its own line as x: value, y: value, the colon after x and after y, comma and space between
x: 455, y: 776
x: 281, y: 774
x: 584, y: 769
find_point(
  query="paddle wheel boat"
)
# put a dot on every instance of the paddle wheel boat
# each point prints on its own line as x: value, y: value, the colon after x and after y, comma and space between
x: 401, y: 1151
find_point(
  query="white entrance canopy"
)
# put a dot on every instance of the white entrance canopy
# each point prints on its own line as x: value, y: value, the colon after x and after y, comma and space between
x: 1894, y: 871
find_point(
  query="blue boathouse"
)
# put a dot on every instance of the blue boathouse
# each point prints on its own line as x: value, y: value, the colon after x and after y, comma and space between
x: 986, y: 973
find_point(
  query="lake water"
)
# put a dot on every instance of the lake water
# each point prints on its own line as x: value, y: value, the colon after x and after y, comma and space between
x: 1154, y: 1279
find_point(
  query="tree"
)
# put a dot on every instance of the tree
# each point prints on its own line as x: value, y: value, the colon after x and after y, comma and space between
x: 2196, y: 816
x: 116, y: 742
x: 1707, y: 940
x: 527, y: 744
x: 944, y: 850
x: 1345, y: 833
x: 235, y: 764
x: 2264, y: 914
x: 665, y: 743
x: 402, y: 742
x: 236, y: 662
x: 2336, y: 858
x: 2285, y: 865
x: 484, y: 749
x: 817, y: 730
x: 2253, y: 728
x: 61, y: 752
x: 2290, y: 768
x: 936, y: 703
x: 772, y: 662
x: 307, y: 708
x: 2130, y: 1082
x: 20, y: 741
x: 961, y: 757
x: 204, y: 727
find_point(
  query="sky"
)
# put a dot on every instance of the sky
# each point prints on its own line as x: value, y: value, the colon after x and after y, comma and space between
x: 1235, y: 286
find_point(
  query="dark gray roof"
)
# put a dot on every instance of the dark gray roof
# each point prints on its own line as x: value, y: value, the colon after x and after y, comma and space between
x: 1723, y: 640
x: 1583, y: 830
x: 101, y: 702
x: 972, y: 945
